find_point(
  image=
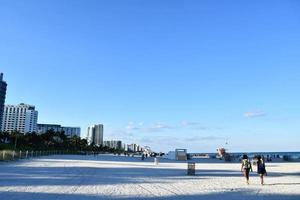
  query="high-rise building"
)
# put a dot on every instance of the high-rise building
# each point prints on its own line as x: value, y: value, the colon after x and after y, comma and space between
x: 43, y: 128
x: 22, y: 118
x: 113, y: 144
x: 95, y: 134
x: 69, y: 131
x: 3, y: 86
x: 134, y: 148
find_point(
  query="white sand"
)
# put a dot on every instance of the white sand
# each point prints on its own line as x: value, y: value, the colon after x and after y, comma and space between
x: 109, y: 177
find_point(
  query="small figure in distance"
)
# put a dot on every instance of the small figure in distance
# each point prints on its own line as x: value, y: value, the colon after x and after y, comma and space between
x: 246, y: 167
x: 261, y: 168
x: 143, y: 156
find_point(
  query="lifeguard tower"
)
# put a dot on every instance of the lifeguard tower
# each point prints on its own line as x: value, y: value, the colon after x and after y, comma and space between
x: 181, y: 154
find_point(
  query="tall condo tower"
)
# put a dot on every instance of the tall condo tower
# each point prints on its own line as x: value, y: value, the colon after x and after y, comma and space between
x: 3, y: 86
x: 95, y: 134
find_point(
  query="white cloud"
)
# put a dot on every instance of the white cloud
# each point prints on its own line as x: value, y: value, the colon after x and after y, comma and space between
x: 131, y: 126
x: 193, y: 125
x: 189, y: 123
x: 118, y: 134
x: 254, y: 114
x: 204, y: 138
x: 155, y: 127
x: 159, y: 126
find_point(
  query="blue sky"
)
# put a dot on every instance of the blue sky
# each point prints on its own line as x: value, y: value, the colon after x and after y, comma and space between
x: 187, y: 74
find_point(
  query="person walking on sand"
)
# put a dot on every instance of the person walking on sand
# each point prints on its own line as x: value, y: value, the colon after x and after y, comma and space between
x: 246, y: 167
x: 261, y: 169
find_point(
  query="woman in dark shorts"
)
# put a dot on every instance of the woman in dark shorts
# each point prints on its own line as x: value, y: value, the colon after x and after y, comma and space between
x: 261, y: 169
x: 246, y: 167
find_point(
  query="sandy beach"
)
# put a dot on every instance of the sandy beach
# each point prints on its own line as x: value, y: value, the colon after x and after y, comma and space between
x: 68, y: 177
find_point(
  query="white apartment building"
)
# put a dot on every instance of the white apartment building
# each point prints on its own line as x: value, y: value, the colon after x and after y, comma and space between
x: 22, y: 118
x: 113, y: 144
x: 134, y: 148
x: 95, y: 134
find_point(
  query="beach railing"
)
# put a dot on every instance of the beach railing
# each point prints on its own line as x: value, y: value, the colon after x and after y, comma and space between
x: 10, y: 155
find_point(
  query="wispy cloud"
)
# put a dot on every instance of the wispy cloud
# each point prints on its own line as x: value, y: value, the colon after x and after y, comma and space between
x: 155, y: 127
x: 159, y: 126
x: 254, y: 114
x: 189, y: 123
x: 194, y: 125
x: 119, y: 134
x: 204, y: 138
x: 131, y: 126
x: 157, y: 133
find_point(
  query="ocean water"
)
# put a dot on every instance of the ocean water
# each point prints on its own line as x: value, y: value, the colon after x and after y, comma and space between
x: 293, y: 155
x: 274, y: 154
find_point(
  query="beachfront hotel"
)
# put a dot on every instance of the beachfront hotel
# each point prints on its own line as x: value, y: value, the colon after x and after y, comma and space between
x: 3, y: 86
x: 95, y: 134
x: 22, y: 118
x: 69, y: 131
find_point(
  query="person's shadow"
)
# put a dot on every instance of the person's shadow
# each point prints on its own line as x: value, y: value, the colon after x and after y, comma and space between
x: 273, y: 184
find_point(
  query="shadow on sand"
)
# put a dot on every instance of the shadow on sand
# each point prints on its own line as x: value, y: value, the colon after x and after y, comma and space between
x: 16, y: 174
x: 233, y: 195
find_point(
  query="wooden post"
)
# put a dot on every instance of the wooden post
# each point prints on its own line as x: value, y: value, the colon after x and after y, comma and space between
x: 3, y: 155
x: 26, y: 156
x: 20, y: 155
x: 13, y: 155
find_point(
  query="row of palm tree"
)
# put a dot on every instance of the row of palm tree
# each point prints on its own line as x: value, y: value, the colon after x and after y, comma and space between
x: 50, y: 140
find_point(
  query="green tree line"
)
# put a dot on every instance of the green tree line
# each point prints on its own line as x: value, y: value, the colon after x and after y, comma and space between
x: 50, y: 140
